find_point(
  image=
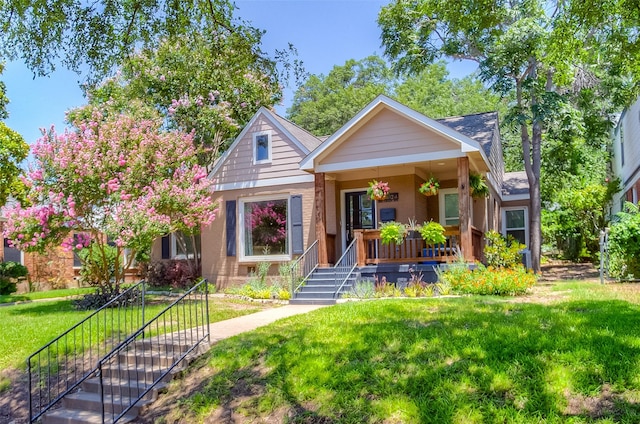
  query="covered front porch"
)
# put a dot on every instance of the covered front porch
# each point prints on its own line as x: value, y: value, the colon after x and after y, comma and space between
x: 388, y: 142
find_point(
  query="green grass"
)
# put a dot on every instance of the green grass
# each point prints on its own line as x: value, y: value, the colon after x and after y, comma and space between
x: 457, y: 360
x: 26, y: 327
x: 51, y: 294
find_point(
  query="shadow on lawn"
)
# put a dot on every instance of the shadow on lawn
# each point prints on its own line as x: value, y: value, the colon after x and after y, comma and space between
x: 424, y: 361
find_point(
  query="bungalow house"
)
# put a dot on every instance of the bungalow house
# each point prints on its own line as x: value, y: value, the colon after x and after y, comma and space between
x: 283, y: 192
x: 626, y: 156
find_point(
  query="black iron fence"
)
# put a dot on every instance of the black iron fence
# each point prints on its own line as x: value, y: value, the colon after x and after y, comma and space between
x: 61, y: 365
x: 129, y: 374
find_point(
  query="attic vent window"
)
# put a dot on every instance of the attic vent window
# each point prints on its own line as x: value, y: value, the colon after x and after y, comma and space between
x: 262, y: 147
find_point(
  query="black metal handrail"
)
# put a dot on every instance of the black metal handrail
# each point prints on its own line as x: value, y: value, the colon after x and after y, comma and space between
x: 344, y: 267
x: 132, y: 370
x: 61, y: 365
x: 303, y: 267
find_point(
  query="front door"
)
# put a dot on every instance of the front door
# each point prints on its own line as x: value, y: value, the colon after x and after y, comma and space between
x: 360, y: 213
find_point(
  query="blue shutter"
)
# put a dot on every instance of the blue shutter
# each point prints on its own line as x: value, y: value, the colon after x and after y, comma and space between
x: 231, y: 227
x: 166, y: 247
x: 297, y: 236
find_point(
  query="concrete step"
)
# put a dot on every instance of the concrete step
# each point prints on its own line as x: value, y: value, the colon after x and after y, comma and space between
x: 304, y: 301
x: 315, y: 294
x: 122, y: 387
x: 148, y: 357
x: 85, y: 401
x: 141, y: 373
x: 74, y: 416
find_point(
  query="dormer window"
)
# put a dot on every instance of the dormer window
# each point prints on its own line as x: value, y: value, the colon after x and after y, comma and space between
x: 262, y: 147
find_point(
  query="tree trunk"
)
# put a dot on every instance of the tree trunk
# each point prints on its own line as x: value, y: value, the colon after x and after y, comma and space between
x: 532, y: 159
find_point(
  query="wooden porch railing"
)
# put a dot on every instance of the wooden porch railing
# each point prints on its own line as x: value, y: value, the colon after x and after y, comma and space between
x: 371, y: 251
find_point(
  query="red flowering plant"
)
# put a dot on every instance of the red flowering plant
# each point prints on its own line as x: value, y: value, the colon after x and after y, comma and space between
x: 378, y: 190
x: 430, y: 187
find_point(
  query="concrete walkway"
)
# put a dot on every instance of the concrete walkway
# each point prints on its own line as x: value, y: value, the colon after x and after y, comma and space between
x: 224, y: 329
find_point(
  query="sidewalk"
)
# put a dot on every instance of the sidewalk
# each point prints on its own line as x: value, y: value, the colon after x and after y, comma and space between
x: 234, y: 326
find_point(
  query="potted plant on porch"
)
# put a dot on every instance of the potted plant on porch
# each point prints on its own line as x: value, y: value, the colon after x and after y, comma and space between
x: 433, y: 234
x: 378, y: 190
x: 430, y: 187
x: 392, y: 232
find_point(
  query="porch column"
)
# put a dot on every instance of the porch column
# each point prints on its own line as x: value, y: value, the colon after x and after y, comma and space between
x: 464, y: 199
x: 321, y: 220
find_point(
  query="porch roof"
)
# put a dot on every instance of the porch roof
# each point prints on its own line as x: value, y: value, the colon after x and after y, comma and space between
x: 447, y: 129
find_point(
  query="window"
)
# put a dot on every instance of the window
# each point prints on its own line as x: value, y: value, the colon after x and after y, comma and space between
x: 515, y: 223
x: 182, y: 245
x: 264, y: 232
x: 262, y: 147
x: 11, y: 254
x: 449, y: 208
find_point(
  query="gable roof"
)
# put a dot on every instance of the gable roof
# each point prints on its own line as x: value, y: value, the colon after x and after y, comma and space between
x: 480, y: 127
x: 303, y: 139
x: 467, y: 144
x: 515, y: 184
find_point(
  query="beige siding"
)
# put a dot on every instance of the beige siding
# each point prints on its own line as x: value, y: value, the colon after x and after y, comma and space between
x: 227, y: 271
x: 388, y: 134
x: 239, y: 167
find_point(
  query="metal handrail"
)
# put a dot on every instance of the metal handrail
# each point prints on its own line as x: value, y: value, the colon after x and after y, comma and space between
x: 294, y: 266
x: 47, y: 379
x: 163, y: 341
x: 348, y: 255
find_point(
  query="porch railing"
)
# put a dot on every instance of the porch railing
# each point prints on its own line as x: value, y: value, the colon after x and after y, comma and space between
x: 61, y: 365
x: 302, y: 268
x: 371, y: 251
x: 345, y: 266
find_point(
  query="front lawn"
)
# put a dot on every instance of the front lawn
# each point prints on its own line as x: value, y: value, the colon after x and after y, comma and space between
x: 49, y: 294
x: 27, y: 327
x: 456, y: 360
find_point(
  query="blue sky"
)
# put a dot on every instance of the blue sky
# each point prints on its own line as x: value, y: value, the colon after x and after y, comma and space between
x: 325, y: 33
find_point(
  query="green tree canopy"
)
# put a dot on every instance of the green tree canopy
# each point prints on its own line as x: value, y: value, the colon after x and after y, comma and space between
x: 537, y: 50
x: 13, y: 150
x: 325, y: 103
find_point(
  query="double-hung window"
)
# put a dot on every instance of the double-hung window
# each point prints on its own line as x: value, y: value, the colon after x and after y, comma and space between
x: 515, y: 223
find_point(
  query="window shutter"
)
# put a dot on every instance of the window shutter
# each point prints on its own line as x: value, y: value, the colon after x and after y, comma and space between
x: 231, y: 227
x: 297, y: 236
x: 166, y: 247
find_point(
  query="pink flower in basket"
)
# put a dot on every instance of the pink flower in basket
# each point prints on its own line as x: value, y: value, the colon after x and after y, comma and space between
x: 378, y: 190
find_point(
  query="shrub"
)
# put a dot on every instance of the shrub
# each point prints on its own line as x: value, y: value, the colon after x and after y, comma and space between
x: 9, y: 271
x: 102, y: 296
x: 175, y: 273
x: 502, y: 253
x: 362, y: 289
x: 624, y: 244
x: 487, y: 280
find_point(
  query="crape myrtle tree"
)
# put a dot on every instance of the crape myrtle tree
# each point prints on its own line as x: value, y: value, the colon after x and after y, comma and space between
x: 205, y: 82
x: 538, y: 50
x: 112, y: 181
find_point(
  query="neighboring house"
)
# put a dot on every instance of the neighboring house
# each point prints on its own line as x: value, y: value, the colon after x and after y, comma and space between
x: 626, y: 156
x: 280, y: 189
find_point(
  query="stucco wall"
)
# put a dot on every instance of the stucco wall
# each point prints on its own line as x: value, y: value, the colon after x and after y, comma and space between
x: 225, y: 271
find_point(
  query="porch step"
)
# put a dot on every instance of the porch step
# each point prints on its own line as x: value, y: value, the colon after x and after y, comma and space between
x: 320, y: 287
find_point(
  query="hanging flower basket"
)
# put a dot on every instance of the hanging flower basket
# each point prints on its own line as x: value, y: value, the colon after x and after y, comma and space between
x: 430, y: 187
x: 378, y: 190
x: 478, y: 186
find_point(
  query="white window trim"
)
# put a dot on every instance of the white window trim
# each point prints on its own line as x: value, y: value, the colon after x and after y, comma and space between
x: 526, y: 221
x: 173, y: 249
x: 255, y: 145
x: 441, y: 213
x: 240, y: 229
